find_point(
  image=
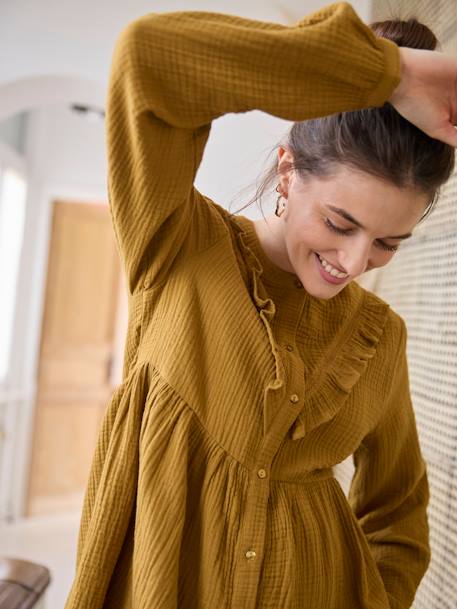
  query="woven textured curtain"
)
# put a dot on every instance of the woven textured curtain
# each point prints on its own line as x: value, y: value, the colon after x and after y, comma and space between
x: 421, y: 285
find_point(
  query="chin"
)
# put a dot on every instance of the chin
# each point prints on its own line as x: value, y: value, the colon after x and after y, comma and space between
x: 324, y: 292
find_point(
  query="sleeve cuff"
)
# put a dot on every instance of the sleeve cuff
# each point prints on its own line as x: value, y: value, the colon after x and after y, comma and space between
x: 391, y: 76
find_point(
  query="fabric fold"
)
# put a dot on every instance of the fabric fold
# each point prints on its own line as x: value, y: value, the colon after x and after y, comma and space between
x: 111, y: 490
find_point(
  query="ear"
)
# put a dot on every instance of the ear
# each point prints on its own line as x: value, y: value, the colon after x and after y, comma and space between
x: 284, y: 154
x: 285, y: 157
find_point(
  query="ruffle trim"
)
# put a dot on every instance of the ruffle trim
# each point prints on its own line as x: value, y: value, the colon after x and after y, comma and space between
x: 324, y: 399
x: 327, y: 392
x: 263, y: 303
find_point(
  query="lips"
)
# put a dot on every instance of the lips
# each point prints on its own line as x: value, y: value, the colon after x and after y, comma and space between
x: 327, y: 276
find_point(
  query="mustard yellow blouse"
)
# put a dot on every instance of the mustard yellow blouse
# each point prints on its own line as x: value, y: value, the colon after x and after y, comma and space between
x: 212, y: 482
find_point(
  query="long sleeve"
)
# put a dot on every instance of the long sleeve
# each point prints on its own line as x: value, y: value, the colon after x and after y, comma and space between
x: 173, y: 73
x: 389, y: 492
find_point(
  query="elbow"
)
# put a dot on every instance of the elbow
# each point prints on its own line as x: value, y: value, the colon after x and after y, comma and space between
x: 129, y: 46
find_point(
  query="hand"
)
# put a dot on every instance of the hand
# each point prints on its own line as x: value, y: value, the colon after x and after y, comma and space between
x: 427, y: 93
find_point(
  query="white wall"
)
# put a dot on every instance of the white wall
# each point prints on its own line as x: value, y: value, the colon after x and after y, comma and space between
x: 13, y: 131
x: 66, y: 154
x: 64, y: 147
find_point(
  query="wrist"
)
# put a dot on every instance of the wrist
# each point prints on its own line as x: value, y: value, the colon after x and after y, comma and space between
x: 402, y: 87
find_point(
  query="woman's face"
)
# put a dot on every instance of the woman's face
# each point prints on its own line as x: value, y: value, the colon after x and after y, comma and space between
x: 344, y: 225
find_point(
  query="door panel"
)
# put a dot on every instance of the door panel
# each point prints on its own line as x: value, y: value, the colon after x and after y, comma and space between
x: 74, y: 373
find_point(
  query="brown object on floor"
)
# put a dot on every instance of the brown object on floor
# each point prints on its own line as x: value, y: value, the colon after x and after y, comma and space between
x: 22, y: 583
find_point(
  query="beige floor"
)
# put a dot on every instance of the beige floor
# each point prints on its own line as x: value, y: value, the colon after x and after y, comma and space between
x: 50, y: 541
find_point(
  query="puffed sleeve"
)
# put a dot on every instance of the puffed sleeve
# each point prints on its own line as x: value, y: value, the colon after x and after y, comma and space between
x: 173, y: 73
x: 389, y: 493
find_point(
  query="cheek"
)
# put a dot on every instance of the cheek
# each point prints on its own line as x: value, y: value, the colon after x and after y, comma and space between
x: 312, y: 236
x: 379, y: 258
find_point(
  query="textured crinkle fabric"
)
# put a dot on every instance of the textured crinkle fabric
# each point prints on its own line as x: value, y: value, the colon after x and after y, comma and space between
x: 212, y: 482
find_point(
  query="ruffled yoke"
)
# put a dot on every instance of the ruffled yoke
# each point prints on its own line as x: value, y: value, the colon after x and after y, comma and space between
x: 360, y: 318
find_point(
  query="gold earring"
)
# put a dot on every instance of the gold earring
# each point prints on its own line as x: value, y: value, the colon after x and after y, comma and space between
x: 279, y: 209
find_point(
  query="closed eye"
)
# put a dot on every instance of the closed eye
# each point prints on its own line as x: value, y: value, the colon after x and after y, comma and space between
x: 348, y: 231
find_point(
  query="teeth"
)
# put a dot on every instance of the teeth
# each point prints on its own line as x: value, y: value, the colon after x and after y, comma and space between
x: 331, y: 270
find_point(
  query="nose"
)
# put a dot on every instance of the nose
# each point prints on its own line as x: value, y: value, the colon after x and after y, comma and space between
x: 354, y: 261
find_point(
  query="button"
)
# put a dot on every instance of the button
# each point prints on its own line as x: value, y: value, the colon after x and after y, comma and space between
x: 262, y: 473
x: 289, y: 348
x: 298, y: 283
x: 250, y: 554
x: 294, y: 398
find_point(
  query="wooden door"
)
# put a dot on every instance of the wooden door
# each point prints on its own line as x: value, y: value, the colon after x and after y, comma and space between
x: 76, y: 353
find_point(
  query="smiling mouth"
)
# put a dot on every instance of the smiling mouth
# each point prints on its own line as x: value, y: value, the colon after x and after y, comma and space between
x: 331, y: 270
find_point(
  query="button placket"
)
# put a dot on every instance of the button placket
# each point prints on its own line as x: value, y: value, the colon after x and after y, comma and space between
x: 288, y: 382
x: 252, y: 537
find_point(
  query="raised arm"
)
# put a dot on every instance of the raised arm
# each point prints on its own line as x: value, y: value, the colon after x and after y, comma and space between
x: 173, y: 73
x: 389, y: 492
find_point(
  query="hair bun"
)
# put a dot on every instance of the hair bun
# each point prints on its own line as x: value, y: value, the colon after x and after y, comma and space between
x: 410, y: 33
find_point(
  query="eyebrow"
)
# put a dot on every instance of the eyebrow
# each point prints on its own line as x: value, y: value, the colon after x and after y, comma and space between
x: 344, y: 214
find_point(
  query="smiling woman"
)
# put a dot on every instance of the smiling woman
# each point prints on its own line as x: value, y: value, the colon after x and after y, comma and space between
x: 360, y: 230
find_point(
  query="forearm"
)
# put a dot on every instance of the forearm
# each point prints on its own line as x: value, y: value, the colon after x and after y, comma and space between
x: 389, y: 493
x: 195, y: 66
x: 400, y: 545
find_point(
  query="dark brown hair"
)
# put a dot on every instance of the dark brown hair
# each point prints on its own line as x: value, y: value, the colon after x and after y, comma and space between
x: 377, y: 141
